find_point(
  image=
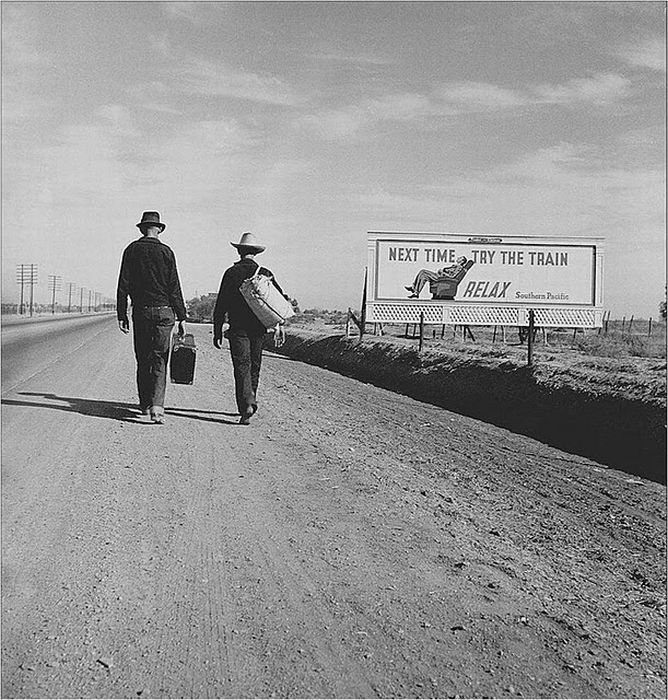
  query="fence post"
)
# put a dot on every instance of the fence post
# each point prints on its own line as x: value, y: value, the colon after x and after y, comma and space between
x: 421, y: 330
x: 530, y: 340
x: 649, y: 329
x: 363, y: 310
x: 630, y: 323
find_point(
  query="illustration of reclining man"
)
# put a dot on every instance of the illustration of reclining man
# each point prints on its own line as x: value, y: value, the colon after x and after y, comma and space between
x: 442, y: 283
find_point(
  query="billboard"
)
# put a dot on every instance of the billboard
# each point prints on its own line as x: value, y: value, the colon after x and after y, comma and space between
x: 484, y: 271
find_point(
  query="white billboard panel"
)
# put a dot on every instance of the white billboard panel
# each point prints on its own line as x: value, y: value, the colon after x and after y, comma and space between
x: 484, y: 271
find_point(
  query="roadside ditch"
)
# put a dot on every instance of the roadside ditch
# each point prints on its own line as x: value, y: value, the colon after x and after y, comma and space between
x: 611, y: 411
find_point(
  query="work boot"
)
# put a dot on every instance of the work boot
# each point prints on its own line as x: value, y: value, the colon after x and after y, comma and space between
x: 246, y: 416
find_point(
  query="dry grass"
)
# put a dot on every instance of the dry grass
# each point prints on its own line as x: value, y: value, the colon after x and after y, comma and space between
x: 614, y: 343
x: 589, y: 362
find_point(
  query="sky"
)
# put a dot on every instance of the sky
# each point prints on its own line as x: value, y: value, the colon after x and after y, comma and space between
x: 311, y: 123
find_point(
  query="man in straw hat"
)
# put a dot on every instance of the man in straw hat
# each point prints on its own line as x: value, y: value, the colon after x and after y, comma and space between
x: 245, y: 332
x: 149, y: 276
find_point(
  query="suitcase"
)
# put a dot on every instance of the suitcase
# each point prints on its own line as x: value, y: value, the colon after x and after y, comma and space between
x: 265, y: 301
x: 182, y: 361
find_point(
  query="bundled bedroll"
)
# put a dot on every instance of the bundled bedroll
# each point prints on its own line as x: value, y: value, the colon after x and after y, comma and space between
x: 265, y: 301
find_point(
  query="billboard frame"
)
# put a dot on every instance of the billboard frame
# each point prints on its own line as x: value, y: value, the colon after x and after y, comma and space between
x: 484, y: 313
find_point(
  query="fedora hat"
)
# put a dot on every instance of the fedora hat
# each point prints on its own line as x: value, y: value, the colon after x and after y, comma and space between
x: 248, y: 242
x: 151, y: 218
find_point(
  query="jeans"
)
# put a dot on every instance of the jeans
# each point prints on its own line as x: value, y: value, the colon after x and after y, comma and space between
x: 246, y: 352
x: 152, y: 332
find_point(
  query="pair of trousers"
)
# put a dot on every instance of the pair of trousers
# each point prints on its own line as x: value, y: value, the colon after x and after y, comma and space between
x: 422, y: 278
x: 246, y: 352
x: 152, y: 333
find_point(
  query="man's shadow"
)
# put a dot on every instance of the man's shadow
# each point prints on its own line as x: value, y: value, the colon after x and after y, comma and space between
x: 123, y: 412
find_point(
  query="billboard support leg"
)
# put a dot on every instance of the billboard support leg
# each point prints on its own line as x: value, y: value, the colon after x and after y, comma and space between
x: 421, y: 331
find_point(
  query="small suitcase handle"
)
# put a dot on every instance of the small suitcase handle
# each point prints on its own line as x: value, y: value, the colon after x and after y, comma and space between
x: 188, y: 340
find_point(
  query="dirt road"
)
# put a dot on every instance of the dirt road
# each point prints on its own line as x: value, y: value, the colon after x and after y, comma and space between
x: 350, y: 542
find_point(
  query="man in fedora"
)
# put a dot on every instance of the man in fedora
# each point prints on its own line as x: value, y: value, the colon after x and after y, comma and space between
x: 455, y: 273
x: 149, y: 276
x: 245, y: 332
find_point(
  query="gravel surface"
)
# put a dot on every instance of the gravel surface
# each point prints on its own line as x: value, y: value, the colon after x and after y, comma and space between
x: 350, y: 542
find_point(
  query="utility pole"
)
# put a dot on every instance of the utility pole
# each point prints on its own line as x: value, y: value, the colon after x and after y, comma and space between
x: 71, y: 287
x: 54, y: 284
x: 22, y: 276
x: 32, y: 281
x: 26, y: 275
x: 81, y: 300
x: 90, y: 292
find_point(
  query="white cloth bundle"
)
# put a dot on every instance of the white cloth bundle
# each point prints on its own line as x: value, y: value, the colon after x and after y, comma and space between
x: 265, y: 301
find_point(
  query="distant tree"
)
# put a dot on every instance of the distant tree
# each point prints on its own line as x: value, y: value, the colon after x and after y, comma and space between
x: 201, y: 309
x: 662, y: 305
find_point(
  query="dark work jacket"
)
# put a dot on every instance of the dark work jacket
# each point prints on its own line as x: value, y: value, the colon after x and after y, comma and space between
x: 231, y: 305
x: 149, y: 275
